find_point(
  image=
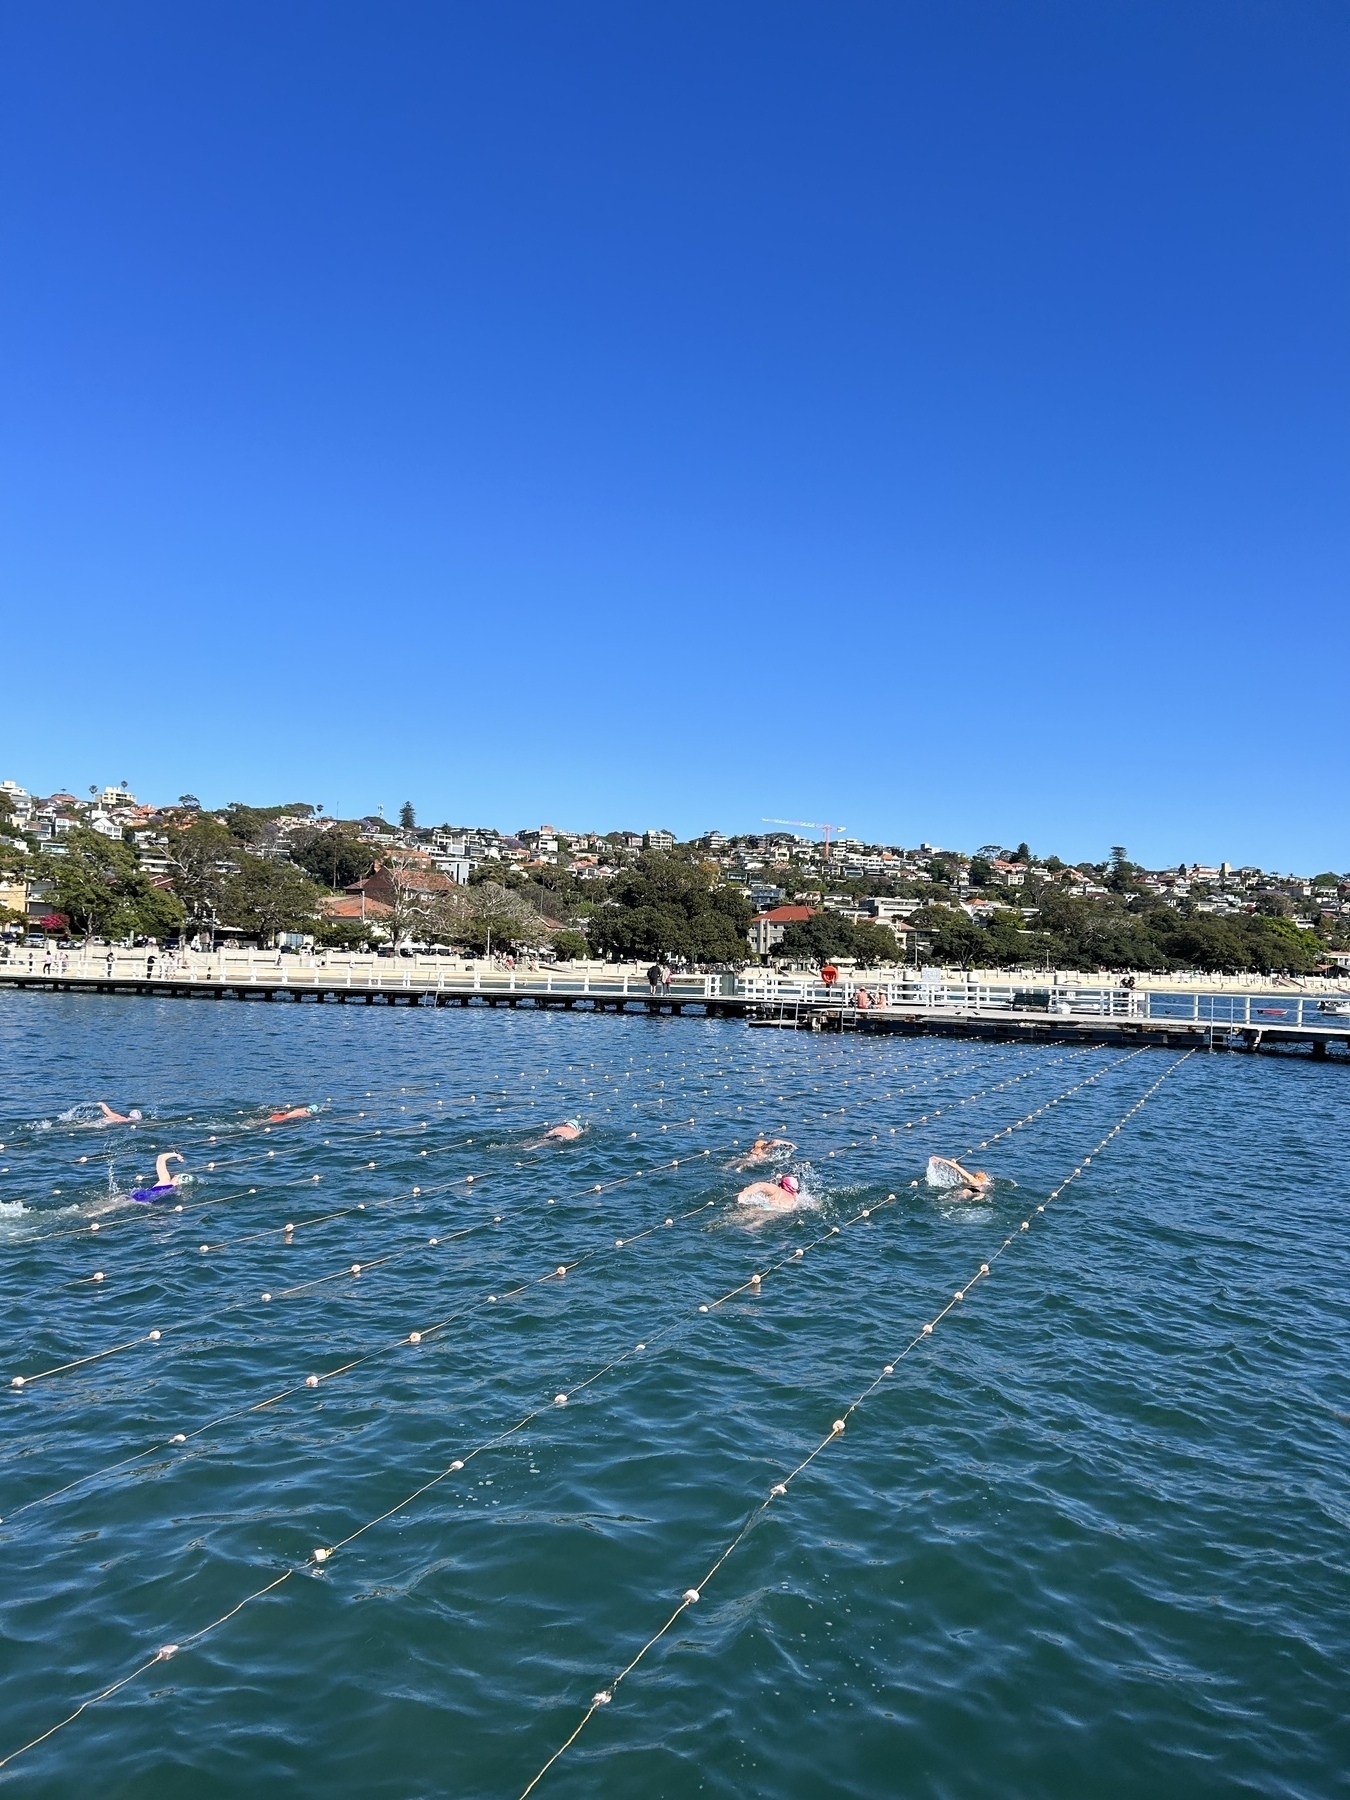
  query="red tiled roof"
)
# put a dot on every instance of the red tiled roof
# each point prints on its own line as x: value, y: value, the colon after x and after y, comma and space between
x: 350, y: 907
x: 787, y: 915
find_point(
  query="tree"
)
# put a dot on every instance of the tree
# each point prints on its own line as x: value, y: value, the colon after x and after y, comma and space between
x: 407, y: 818
x: 1123, y: 873
x: 822, y: 937
x: 492, y: 915
x: 1006, y: 942
x: 667, y: 906
x: 100, y: 888
x: 1098, y: 933
x: 189, y: 803
x: 980, y: 871
x: 265, y: 897
x: 1202, y: 943
x: 1279, y: 947
x: 956, y: 939
x: 246, y: 824
x: 341, y: 934
x: 873, y: 944
x: 570, y: 946
x: 202, y: 857
x: 413, y: 905
x: 333, y: 857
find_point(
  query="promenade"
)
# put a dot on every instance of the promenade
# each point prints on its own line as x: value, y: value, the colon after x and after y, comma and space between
x: 1030, y: 1006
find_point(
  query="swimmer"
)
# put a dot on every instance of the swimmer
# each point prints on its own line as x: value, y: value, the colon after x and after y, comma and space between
x: 763, y: 1149
x: 132, y: 1117
x: 961, y: 1184
x: 780, y: 1193
x: 566, y: 1132
x: 295, y: 1112
x: 166, y: 1185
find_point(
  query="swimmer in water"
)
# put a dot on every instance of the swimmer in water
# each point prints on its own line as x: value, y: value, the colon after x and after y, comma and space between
x: 166, y: 1185
x: 566, y: 1132
x: 295, y: 1112
x: 961, y: 1184
x: 780, y: 1194
x: 115, y: 1118
x: 765, y: 1149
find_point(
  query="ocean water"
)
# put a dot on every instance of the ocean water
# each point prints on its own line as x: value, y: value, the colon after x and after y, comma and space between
x: 1088, y: 1538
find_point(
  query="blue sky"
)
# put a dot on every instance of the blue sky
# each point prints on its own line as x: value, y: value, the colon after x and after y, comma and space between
x: 930, y: 418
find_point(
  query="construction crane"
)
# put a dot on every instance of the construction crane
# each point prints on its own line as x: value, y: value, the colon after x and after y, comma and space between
x: 811, y: 825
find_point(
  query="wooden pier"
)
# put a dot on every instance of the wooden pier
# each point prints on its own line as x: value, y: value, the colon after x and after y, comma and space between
x: 1007, y: 1024
x: 697, y: 996
x: 1082, y: 1016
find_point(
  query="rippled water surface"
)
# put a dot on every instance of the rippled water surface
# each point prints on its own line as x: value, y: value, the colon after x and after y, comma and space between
x: 1088, y: 1538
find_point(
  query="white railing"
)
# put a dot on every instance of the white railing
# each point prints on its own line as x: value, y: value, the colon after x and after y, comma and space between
x: 932, y: 991
x: 420, y: 974
x: 1262, y: 1011
x: 924, y: 990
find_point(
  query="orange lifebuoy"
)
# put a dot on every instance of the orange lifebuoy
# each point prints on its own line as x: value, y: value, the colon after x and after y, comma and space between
x: 829, y: 974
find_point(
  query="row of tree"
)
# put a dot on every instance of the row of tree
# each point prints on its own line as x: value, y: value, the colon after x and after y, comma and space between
x: 670, y: 908
x: 666, y: 907
x: 1109, y: 934
x: 98, y: 888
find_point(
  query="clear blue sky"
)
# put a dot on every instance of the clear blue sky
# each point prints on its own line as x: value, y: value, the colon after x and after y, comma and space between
x: 933, y: 418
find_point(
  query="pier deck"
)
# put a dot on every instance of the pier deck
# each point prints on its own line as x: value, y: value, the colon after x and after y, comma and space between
x: 1166, y: 1019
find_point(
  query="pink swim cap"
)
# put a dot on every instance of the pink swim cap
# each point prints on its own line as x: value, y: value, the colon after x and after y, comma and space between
x: 789, y: 1184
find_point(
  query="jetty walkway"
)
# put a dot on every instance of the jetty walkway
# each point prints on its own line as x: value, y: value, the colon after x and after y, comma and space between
x: 912, y: 1002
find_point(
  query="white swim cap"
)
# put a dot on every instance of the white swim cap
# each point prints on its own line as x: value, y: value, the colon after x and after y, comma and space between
x: 134, y: 1113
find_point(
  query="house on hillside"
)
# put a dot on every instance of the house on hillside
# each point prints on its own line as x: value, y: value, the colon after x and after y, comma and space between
x: 769, y: 928
x: 417, y: 874
x: 355, y: 909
